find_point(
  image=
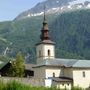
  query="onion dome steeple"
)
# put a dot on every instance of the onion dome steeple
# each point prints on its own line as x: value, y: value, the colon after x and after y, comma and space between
x: 44, y: 31
x: 45, y: 38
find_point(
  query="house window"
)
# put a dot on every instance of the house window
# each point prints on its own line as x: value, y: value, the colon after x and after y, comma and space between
x: 63, y: 84
x: 53, y: 74
x: 84, y: 74
x: 68, y: 84
x: 48, y: 52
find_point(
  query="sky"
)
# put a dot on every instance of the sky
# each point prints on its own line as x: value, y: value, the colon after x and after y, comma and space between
x: 9, y: 9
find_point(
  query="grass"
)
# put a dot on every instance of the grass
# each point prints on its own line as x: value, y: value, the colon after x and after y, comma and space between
x: 13, y: 85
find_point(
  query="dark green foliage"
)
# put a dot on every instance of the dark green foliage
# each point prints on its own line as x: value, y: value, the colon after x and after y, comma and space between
x: 70, y: 31
x: 17, y: 67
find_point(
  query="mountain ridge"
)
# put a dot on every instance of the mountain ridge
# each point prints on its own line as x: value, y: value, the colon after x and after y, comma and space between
x: 53, y: 6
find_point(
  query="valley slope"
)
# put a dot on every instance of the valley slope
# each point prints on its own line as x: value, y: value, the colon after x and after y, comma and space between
x: 70, y: 31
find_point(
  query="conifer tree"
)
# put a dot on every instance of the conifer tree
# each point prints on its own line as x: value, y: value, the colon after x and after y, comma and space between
x: 17, y: 67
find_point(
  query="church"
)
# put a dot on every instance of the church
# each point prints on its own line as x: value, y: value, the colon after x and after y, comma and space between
x: 57, y: 72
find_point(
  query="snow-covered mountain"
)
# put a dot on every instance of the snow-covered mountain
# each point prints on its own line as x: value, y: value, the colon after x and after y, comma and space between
x: 55, y: 6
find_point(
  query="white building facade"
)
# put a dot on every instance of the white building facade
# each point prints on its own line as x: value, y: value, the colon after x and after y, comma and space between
x: 61, y: 73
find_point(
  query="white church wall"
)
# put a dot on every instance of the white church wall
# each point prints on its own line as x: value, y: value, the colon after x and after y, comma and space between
x: 52, y: 51
x: 48, y: 82
x: 42, y: 52
x: 39, y: 49
x: 46, y: 73
x: 49, y: 72
x: 81, y: 77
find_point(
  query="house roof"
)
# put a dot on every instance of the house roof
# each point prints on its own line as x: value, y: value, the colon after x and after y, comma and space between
x: 62, y: 79
x: 65, y: 62
x: 3, y: 62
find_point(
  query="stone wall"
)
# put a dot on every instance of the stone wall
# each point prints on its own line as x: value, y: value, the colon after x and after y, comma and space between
x: 28, y: 81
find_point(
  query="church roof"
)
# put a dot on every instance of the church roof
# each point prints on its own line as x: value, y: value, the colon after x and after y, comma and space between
x: 65, y: 63
x: 46, y: 42
x: 62, y: 79
x: 29, y: 66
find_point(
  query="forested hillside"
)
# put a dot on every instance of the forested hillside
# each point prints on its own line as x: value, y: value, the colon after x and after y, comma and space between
x: 70, y: 31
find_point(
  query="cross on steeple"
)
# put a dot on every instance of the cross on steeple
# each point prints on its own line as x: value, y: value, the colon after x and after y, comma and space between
x: 44, y: 12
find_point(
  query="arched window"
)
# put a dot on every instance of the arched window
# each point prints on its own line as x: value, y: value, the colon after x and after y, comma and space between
x: 48, y: 52
x: 53, y: 74
x: 39, y: 53
x: 84, y: 74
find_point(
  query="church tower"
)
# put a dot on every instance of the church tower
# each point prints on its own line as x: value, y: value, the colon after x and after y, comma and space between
x: 45, y: 49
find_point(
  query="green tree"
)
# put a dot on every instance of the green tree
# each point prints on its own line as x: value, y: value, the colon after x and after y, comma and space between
x: 17, y: 67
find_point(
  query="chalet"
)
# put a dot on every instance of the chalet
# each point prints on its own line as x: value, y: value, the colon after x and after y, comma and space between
x: 4, y: 65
